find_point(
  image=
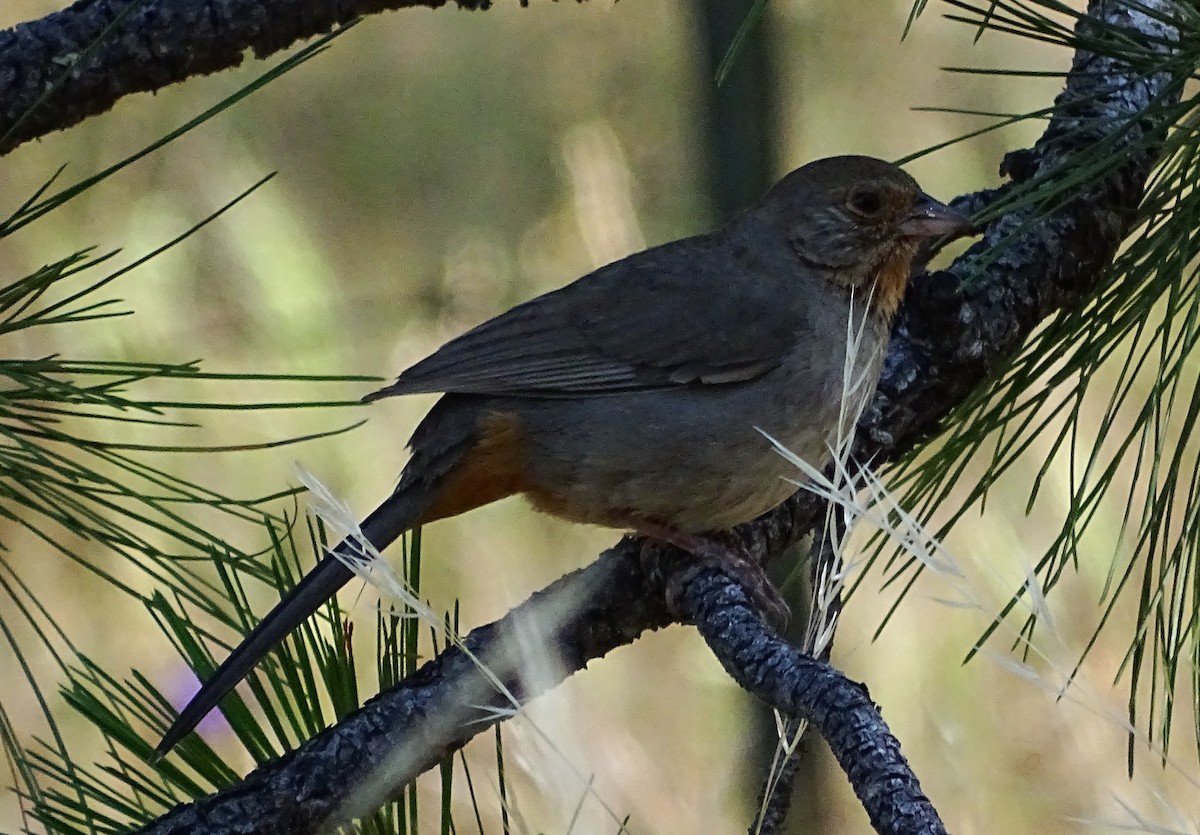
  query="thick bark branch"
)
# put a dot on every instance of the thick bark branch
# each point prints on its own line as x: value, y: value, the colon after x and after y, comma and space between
x: 949, y: 337
x: 798, y: 685
x: 958, y: 325
x: 58, y: 70
x: 352, y: 768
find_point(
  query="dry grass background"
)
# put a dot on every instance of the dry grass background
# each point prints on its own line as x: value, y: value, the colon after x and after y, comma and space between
x: 436, y: 167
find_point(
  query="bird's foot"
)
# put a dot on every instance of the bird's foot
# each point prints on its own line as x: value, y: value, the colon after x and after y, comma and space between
x: 725, y: 551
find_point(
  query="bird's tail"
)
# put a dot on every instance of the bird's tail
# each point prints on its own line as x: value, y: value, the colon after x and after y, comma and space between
x: 391, y: 519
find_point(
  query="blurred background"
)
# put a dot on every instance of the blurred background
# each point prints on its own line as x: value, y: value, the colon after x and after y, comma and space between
x: 436, y: 167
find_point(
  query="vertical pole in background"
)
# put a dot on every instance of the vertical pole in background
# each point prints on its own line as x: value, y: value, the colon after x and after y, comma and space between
x: 737, y: 120
x: 740, y: 144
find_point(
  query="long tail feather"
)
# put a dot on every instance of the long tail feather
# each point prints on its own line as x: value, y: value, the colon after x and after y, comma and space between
x: 381, y: 528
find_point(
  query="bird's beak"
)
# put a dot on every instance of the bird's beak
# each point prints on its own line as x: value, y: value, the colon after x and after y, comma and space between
x: 931, y: 219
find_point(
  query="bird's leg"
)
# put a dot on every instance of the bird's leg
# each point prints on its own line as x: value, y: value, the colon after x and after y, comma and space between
x: 725, y: 551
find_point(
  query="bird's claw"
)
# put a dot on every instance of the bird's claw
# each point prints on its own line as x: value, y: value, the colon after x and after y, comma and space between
x: 729, y: 555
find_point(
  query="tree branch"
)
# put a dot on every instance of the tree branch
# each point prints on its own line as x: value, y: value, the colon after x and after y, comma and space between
x: 797, y: 685
x: 59, y: 70
x: 950, y: 334
x: 352, y: 768
x: 775, y: 793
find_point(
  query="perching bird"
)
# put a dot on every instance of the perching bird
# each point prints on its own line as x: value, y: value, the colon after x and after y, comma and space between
x: 638, y: 396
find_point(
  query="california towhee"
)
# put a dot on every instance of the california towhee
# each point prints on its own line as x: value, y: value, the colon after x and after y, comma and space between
x: 637, y: 396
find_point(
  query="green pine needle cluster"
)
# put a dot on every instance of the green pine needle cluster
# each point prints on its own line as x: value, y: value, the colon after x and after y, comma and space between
x: 1106, y: 391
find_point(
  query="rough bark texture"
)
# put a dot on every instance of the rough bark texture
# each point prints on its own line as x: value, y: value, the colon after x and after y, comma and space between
x: 949, y: 336
x: 958, y: 325
x: 840, y: 710
x: 60, y: 69
x: 348, y: 770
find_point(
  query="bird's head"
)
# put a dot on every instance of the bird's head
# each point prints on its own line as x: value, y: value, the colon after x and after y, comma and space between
x: 860, y: 221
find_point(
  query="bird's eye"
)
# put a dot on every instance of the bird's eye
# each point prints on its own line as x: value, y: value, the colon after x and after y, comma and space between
x: 865, y: 201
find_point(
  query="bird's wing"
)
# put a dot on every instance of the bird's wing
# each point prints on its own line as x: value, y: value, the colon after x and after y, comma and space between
x: 693, y: 311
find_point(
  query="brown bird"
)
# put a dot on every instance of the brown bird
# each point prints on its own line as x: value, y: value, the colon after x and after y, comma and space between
x: 637, y: 396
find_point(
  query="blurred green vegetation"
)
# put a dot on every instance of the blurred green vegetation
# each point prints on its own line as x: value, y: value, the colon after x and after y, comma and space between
x: 438, y: 166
